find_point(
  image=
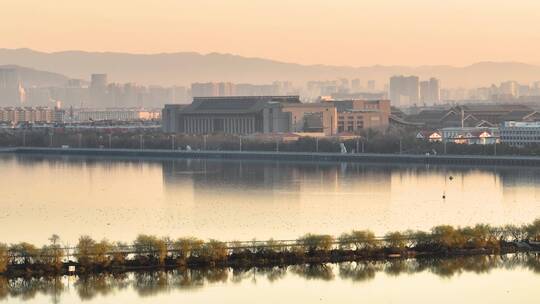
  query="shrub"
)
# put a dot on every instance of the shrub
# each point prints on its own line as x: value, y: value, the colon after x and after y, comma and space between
x: 448, y: 237
x: 396, y: 240
x: 150, y: 247
x: 119, y: 254
x: 188, y: 247
x: 313, y: 242
x: 215, y: 250
x: 52, y: 255
x: 4, y: 257
x: 25, y: 253
x: 84, y: 251
x: 101, y: 252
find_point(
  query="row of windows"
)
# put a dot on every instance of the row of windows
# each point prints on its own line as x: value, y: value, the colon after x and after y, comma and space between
x: 350, y: 122
x: 520, y: 132
x: 520, y: 138
x: 348, y: 129
x: 350, y: 117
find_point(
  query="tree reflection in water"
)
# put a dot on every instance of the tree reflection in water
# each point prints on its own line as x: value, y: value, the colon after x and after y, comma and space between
x: 149, y: 283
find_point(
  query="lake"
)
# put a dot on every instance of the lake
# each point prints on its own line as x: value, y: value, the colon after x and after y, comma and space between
x: 118, y: 198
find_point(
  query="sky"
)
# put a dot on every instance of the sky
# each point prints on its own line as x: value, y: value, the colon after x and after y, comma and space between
x: 337, y: 32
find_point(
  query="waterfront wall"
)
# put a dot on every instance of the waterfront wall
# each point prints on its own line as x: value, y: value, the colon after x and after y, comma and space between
x: 288, y: 156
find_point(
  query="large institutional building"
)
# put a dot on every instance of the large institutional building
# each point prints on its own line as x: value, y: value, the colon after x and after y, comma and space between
x: 273, y: 114
x: 229, y: 115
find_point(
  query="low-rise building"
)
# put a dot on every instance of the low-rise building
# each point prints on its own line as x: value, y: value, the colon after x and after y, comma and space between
x: 431, y: 136
x: 473, y: 115
x: 270, y: 114
x: 470, y: 135
x: 84, y: 115
x: 15, y: 115
x: 355, y: 115
x: 520, y: 133
x: 312, y: 117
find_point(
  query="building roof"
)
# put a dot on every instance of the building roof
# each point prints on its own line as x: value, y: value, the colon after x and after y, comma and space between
x: 308, y: 105
x: 285, y: 98
x: 428, y: 116
x: 485, y: 108
x: 236, y: 104
x: 393, y: 119
x: 517, y: 115
x: 474, y: 115
x: 427, y: 133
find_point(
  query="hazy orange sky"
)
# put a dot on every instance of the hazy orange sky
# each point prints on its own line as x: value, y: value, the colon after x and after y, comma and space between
x: 344, y: 32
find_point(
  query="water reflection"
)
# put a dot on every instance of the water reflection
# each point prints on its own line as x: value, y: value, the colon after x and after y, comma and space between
x: 149, y: 284
x: 118, y: 198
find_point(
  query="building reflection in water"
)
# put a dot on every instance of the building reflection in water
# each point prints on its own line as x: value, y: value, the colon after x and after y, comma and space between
x: 118, y: 198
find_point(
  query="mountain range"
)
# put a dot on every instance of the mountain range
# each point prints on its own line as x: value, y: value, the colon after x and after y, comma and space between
x: 186, y: 67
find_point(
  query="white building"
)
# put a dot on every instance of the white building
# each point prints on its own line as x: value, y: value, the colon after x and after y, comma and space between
x: 520, y: 133
x: 470, y: 135
x: 84, y: 115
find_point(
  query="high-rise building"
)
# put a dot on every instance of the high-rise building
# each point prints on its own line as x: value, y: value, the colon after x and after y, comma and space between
x: 208, y: 89
x: 283, y: 87
x: 11, y: 91
x: 535, y: 89
x: 226, y: 89
x: 98, y: 81
x: 509, y: 89
x: 371, y: 85
x: 9, y: 78
x: 356, y: 85
x: 430, y: 91
x: 404, y: 91
x: 98, y: 90
x: 524, y: 90
x: 75, y: 94
x: 180, y: 94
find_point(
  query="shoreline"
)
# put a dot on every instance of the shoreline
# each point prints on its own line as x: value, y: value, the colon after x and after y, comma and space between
x: 254, y: 260
x: 476, y: 160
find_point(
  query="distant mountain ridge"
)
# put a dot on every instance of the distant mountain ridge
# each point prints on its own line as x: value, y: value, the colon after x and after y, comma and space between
x: 184, y: 68
x: 32, y: 77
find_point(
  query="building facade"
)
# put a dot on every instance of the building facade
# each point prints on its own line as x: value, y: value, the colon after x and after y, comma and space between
x: 274, y: 114
x: 404, y: 91
x: 356, y: 115
x: 471, y: 135
x: 520, y: 133
x: 229, y: 115
x: 15, y: 115
x: 430, y: 92
x: 11, y: 91
x: 313, y: 117
x: 85, y: 115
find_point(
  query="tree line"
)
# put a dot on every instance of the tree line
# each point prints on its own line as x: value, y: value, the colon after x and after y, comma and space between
x: 394, y: 140
x: 90, y: 255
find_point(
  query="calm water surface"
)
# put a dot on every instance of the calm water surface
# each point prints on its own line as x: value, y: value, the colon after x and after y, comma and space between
x: 120, y: 198
x: 240, y: 200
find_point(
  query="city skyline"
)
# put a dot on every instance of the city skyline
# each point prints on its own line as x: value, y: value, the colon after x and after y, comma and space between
x: 414, y: 33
